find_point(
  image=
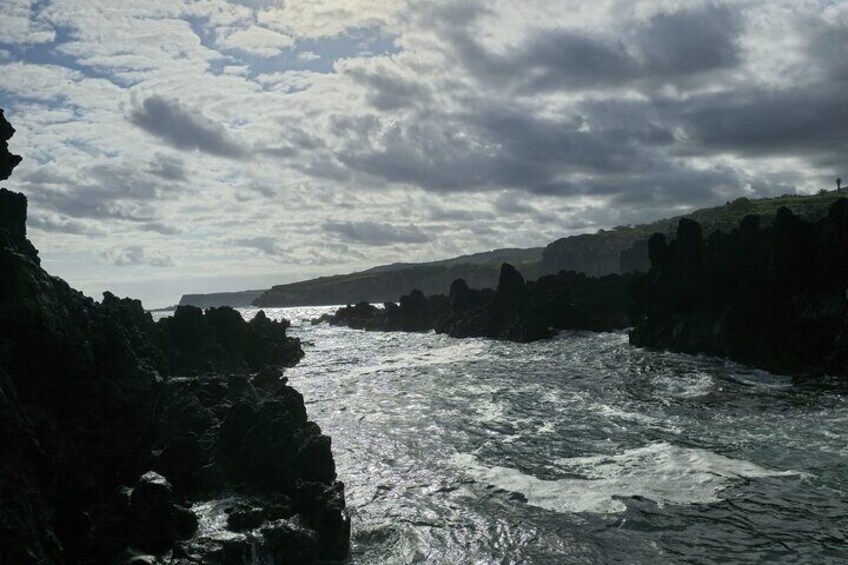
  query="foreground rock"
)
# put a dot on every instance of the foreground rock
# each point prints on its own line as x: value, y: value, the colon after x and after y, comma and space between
x: 112, y: 426
x: 516, y: 310
x: 773, y: 297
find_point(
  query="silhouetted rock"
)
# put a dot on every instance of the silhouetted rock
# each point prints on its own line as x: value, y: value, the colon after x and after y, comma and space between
x: 156, y: 521
x: 515, y: 311
x: 8, y: 161
x: 95, y: 395
x: 289, y: 543
x: 774, y: 297
x: 244, y: 517
x: 236, y: 550
x: 220, y: 340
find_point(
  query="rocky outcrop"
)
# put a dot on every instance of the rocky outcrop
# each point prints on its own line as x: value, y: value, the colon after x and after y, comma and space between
x: 8, y: 161
x: 413, y: 313
x: 111, y: 425
x: 774, y: 297
x: 516, y: 310
x: 219, y: 339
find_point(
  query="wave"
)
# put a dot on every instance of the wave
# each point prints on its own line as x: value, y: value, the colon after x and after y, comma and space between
x: 662, y: 472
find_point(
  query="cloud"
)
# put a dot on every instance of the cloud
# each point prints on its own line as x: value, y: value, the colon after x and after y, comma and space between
x: 184, y: 127
x: 671, y: 46
x: 756, y: 122
x: 308, y: 56
x: 54, y: 223
x: 403, y: 130
x: 256, y: 40
x: 169, y: 167
x: 328, y: 18
x: 265, y: 244
x: 374, y: 233
x: 21, y: 25
x: 136, y: 255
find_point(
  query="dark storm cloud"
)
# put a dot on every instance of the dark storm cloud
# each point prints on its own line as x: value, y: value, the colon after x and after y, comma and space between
x: 372, y: 233
x: 670, y: 47
x: 389, y: 92
x: 184, y: 128
x: 690, y: 41
x: 118, y: 191
x: 519, y: 150
x: 169, y: 167
x: 662, y: 147
x: 807, y: 121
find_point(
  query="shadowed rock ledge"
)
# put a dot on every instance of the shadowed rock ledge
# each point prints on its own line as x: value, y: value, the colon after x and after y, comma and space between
x: 113, y: 427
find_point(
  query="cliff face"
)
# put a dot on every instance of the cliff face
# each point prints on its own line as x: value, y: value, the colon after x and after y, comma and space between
x: 625, y: 249
x: 239, y: 299
x: 103, y: 448
x: 598, y: 254
x: 376, y: 286
x: 774, y: 297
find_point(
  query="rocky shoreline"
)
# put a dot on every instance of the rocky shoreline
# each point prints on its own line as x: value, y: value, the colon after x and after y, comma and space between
x: 113, y: 427
x: 516, y: 310
x: 774, y: 297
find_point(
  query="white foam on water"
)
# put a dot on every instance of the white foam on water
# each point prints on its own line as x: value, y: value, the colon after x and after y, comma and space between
x: 661, y: 472
x: 687, y: 385
x: 452, y: 354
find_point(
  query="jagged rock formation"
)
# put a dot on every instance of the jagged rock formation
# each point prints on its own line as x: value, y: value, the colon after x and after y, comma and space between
x: 220, y: 339
x: 515, y: 311
x: 773, y: 297
x: 413, y: 313
x: 8, y: 161
x: 108, y: 431
x: 625, y: 249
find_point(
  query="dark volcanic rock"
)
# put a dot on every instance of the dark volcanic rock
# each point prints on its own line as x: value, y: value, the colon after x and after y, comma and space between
x: 229, y: 551
x: 156, y: 521
x: 244, y: 517
x: 221, y: 340
x: 773, y: 297
x: 94, y: 395
x: 515, y: 311
x: 288, y: 543
x: 8, y: 161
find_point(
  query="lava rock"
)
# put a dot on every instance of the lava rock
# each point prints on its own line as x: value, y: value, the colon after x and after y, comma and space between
x: 289, y: 543
x: 244, y: 517
x: 157, y: 521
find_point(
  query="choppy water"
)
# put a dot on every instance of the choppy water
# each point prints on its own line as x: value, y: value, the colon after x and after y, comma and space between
x: 578, y: 450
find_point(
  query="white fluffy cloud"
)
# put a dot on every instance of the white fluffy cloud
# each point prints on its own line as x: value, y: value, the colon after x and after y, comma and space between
x: 255, y: 40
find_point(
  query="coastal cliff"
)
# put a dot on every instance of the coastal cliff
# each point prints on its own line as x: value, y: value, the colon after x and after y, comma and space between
x: 114, y: 427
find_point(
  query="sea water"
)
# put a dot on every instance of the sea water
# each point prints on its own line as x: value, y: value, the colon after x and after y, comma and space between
x: 581, y: 449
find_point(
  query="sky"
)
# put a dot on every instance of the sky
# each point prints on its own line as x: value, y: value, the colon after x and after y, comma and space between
x: 209, y: 145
